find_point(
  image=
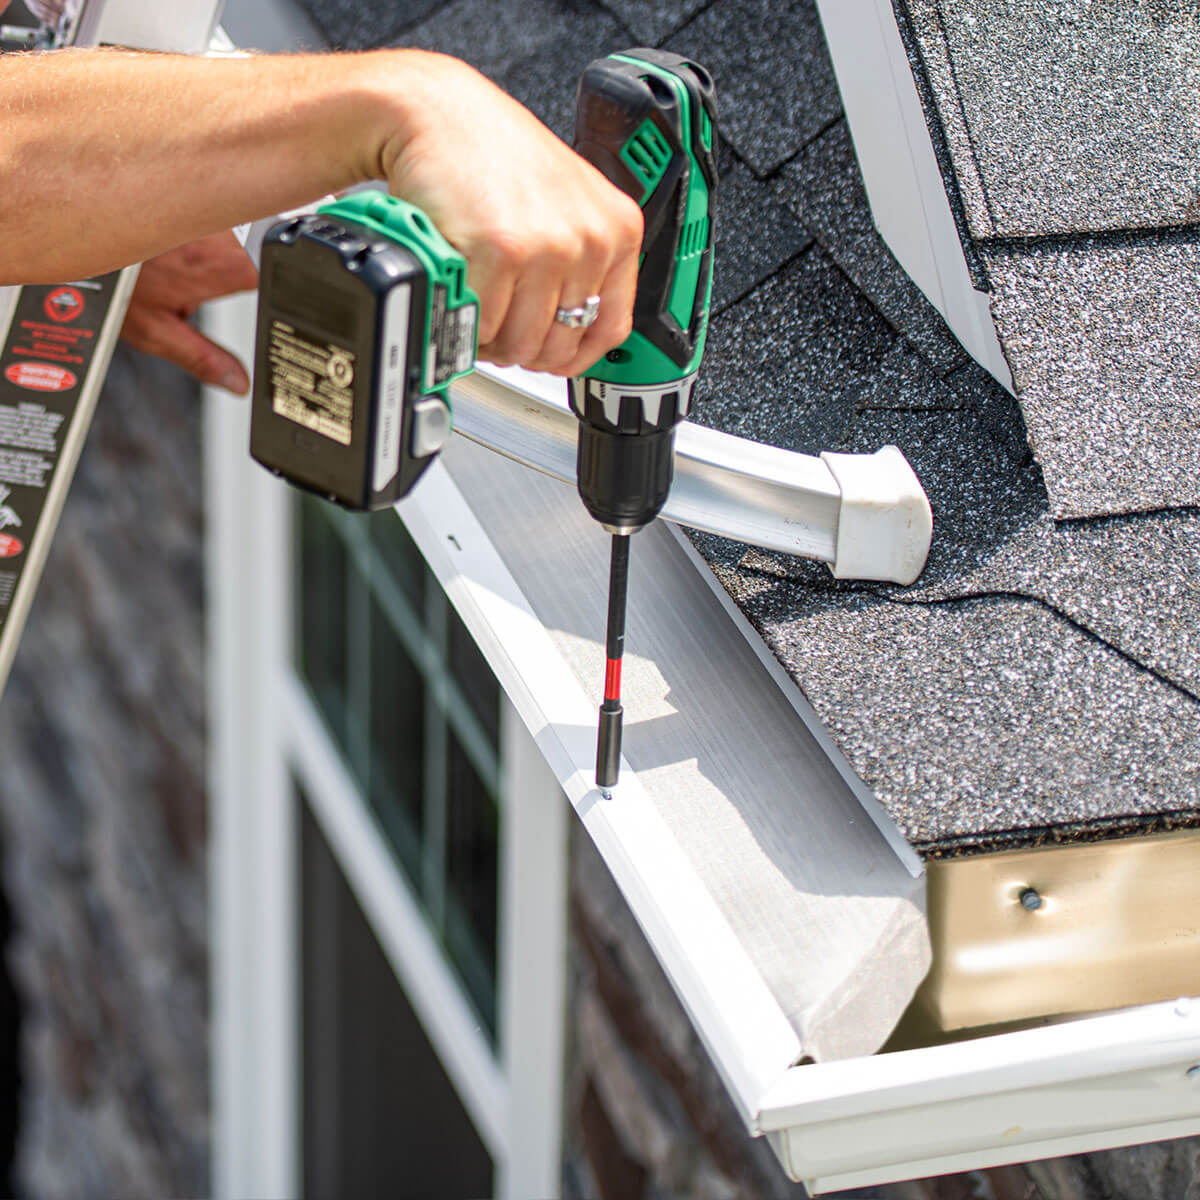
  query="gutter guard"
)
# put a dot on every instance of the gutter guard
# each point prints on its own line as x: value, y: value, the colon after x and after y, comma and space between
x: 864, y: 514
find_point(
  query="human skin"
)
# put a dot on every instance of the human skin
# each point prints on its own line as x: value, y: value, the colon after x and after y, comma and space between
x: 170, y: 288
x: 110, y: 157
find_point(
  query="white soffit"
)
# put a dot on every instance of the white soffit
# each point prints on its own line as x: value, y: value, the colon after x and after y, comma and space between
x: 903, y: 180
x: 731, y: 788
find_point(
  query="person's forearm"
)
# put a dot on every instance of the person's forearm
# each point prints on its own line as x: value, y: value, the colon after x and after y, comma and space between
x: 108, y: 157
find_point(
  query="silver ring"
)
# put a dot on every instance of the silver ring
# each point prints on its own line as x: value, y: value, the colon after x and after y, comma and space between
x: 581, y: 316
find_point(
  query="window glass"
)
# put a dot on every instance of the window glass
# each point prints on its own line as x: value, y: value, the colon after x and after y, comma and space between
x: 395, y: 787
x: 381, y: 1117
x: 415, y: 711
x: 321, y: 604
x: 400, y: 555
x: 472, y: 849
x: 475, y: 677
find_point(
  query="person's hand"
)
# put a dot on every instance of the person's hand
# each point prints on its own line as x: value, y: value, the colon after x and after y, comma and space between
x: 170, y: 289
x: 540, y: 227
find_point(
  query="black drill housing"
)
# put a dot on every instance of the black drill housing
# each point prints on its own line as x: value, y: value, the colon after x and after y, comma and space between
x: 625, y: 462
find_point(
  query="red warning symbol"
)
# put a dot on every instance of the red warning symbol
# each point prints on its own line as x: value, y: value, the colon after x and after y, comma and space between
x: 64, y: 304
x: 40, y: 377
x: 10, y: 546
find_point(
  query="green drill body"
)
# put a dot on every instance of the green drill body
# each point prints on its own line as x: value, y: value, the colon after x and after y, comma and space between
x: 646, y: 120
x: 638, y: 361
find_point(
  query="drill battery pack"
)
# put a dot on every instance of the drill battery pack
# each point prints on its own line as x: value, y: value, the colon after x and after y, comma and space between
x: 364, y: 320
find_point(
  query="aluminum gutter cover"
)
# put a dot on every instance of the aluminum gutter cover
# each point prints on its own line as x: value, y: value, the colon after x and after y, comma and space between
x: 825, y: 905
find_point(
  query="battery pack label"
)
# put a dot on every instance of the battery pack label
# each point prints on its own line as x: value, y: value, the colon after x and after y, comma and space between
x: 392, y: 377
x: 451, y: 340
x: 47, y: 351
x: 312, y: 382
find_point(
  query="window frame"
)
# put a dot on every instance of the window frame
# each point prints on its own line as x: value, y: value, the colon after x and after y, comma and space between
x: 266, y: 736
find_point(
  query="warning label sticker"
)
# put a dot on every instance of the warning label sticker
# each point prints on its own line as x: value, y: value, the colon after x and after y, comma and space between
x: 311, y: 382
x: 64, y: 304
x: 451, y: 340
x: 40, y: 377
x: 44, y: 357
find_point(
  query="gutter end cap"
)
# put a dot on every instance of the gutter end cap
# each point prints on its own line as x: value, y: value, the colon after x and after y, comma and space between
x: 885, y: 524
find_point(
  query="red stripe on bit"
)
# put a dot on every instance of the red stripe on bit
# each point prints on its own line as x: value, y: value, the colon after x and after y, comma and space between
x: 612, y: 680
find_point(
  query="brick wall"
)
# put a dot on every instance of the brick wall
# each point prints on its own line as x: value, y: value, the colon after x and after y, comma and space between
x: 102, y: 815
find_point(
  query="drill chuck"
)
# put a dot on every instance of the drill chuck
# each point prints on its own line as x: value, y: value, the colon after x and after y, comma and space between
x: 623, y: 479
x: 626, y: 453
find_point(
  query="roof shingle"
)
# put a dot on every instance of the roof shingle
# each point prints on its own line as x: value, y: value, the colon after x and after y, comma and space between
x: 1041, y: 678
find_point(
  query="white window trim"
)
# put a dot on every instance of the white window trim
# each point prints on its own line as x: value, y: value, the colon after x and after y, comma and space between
x: 252, y: 829
x: 394, y: 914
x: 264, y: 733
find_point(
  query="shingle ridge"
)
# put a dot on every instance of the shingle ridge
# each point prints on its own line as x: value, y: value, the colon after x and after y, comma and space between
x: 1146, y: 235
x: 1064, y: 833
x: 895, y: 594
x: 968, y: 597
x: 1126, y: 518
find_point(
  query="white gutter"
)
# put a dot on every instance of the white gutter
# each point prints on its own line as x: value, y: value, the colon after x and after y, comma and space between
x: 743, y: 1027
x: 1073, y: 1087
x: 864, y: 514
x: 1070, y: 1088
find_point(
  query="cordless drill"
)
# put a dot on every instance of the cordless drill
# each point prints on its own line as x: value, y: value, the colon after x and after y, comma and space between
x: 647, y: 120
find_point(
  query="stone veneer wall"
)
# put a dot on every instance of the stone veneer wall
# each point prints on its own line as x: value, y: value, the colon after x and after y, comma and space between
x: 102, y: 812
